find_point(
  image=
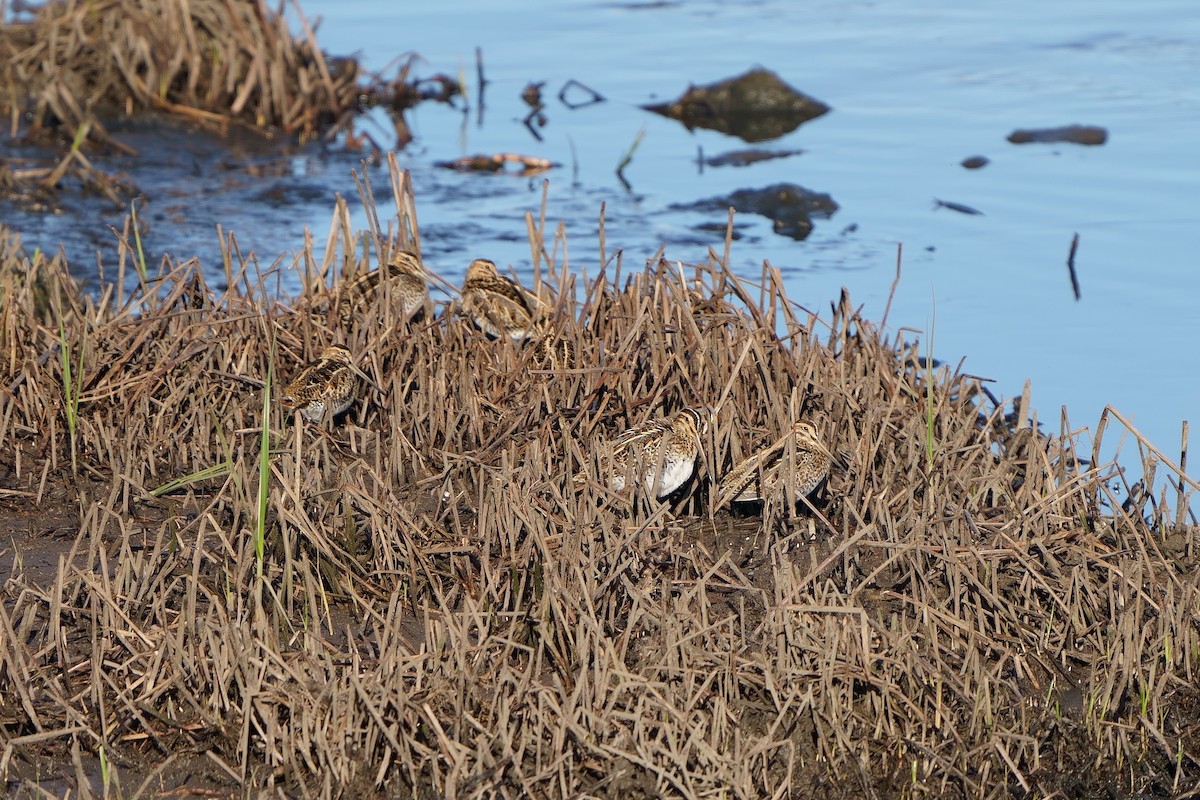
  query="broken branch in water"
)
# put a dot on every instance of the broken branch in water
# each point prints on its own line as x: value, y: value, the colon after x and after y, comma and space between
x: 1071, y: 265
x: 596, y: 97
x: 959, y: 207
x: 637, y: 140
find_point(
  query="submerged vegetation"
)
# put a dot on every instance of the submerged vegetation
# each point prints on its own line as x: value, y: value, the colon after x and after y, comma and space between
x: 416, y: 600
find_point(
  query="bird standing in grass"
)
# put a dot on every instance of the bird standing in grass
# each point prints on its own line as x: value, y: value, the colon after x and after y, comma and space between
x: 551, y: 349
x: 498, y: 305
x: 328, y: 384
x: 762, y: 475
x: 406, y: 282
x: 659, y: 454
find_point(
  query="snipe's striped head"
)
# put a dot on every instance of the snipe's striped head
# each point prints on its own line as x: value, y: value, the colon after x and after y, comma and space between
x: 483, y: 269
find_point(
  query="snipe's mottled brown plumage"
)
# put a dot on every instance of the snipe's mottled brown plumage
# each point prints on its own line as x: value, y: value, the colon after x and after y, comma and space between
x: 762, y: 475
x: 405, y: 279
x: 550, y: 348
x: 330, y: 382
x: 659, y: 454
x: 498, y: 305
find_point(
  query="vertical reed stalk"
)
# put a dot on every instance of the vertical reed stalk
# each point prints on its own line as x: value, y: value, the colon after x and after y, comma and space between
x: 72, y: 380
x: 264, y: 466
x: 929, y: 416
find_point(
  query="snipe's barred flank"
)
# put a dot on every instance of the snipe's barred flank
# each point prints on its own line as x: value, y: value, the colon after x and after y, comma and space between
x: 550, y: 349
x: 328, y: 384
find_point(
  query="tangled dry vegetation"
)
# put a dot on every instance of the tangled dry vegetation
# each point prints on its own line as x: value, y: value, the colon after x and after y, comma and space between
x: 416, y: 602
x: 211, y: 61
x: 78, y: 64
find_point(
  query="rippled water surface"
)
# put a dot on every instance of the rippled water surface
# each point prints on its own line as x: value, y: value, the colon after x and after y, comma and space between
x: 915, y: 88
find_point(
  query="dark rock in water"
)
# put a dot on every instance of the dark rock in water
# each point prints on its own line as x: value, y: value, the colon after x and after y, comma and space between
x: 755, y: 107
x: 742, y: 158
x: 975, y: 162
x: 1075, y: 134
x: 790, y: 207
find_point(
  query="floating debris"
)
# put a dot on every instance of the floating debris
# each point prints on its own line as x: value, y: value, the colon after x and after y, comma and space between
x: 532, y: 94
x: 530, y: 165
x: 722, y: 228
x: 975, y: 162
x: 594, y: 97
x: 1092, y: 135
x: 1071, y: 266
x: 744, y: 158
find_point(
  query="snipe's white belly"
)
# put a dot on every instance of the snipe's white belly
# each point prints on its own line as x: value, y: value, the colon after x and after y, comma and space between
x: 674, y: 474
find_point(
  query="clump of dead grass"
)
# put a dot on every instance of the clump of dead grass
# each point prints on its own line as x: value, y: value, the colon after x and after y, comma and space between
x: 441, y: 614
x: 215, y: 63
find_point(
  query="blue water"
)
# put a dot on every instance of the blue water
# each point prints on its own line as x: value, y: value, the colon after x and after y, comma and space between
x: 915, y: 88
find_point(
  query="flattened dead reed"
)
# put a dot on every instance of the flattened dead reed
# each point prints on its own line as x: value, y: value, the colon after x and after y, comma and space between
x: 441, y: 614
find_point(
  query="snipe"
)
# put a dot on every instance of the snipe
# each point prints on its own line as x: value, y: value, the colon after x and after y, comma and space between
x: 499, y: 306
x: 406, y: 284
x: 762, y: 475
x: 659, y: 454
x: 328, y: 384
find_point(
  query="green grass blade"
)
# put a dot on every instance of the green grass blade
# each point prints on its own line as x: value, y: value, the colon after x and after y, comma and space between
x: 137, y: 238
x: 218, y: 470
x: 81, y: 133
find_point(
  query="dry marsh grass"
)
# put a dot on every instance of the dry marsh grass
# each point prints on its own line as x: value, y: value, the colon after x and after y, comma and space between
x: 213, y: 63
x: 77, y: 65
x: 441, y: 614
